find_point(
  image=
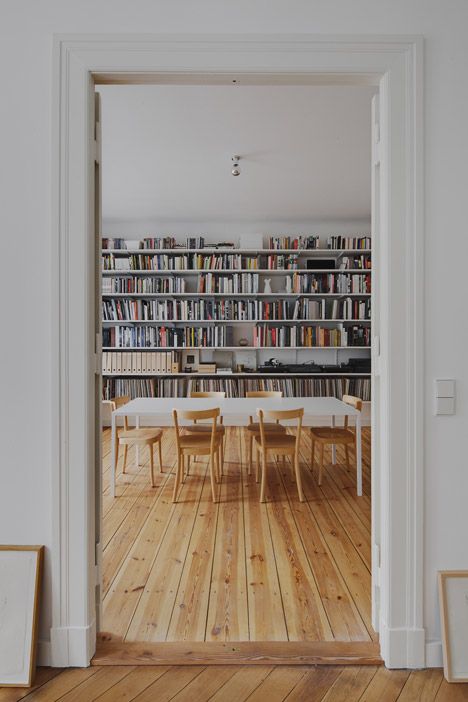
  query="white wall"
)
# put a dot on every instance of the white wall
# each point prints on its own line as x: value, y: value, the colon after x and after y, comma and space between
x: 25, y: 145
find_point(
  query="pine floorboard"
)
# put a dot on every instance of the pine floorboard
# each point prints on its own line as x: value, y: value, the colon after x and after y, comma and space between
x: 238, y: 684
x: 236, y: 570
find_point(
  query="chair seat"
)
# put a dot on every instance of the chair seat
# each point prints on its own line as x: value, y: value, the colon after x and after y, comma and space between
x: 198, y: 441
x: 278, y: 441
x: 143, y: 436
x: 205, y: 429
x: 333, y: 435
x: 269, y: 427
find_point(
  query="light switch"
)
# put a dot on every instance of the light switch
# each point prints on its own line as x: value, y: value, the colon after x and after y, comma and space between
x: 445, y: 405
x: 445, y: 387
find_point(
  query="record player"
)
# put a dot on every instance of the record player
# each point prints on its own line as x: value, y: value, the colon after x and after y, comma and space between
x: 357, y: 365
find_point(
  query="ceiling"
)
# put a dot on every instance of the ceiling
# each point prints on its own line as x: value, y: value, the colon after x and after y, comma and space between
x: 166, y: 152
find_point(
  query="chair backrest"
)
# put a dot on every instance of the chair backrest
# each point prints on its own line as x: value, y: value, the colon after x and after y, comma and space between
x: 263, y: 393
x: 279, y: 415
x: 195, y: 415
x: 120, y: 402
x: 355, y: 402
x: 209, y: 393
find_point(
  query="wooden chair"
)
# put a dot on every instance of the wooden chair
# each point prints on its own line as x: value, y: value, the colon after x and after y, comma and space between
x: 280, y: 443
x: 147, y: 436
x: 343, y: 436
x: 253, y: 427
x: 196, y: 428
x: 203, y: 444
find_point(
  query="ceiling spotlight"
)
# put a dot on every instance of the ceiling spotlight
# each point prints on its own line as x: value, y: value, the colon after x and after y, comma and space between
x: 235, y: 165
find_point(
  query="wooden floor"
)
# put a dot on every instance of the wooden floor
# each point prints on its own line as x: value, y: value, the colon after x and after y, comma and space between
x: 236, y: 684
x: 237, y: 570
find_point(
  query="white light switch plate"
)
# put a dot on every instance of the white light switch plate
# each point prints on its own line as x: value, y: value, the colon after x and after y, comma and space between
x: 445, y: 405
x: 445, y: 387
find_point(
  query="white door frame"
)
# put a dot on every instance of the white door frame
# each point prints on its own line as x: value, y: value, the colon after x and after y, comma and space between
x: 393, y: 63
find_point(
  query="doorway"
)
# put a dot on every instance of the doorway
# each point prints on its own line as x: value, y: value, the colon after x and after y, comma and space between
x: 238, y: 570
x: 396, y: 623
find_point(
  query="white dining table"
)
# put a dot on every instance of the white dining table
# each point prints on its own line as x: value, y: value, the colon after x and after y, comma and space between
x: 236, y: 412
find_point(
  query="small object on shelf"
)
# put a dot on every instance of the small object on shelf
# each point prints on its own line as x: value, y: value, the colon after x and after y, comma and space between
x: 224, y: 371
x: 206, y: 368
x: 243, y: 342
x: 267, y: 286
x: 240, y: 368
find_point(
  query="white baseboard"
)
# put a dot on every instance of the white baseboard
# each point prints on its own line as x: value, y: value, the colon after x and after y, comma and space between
x: 403, y: 648
x: 72, y: 646
x: 434, y: 655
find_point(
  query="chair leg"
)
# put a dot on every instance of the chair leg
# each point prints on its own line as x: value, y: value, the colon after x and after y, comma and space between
x: 125, y: 458
x: 321, y: 464
x: 249, y: 464
x: 188, y: 463
x: 116, y: 450
x: 213, y: 467
x: 160, y: 456
x: 312, y: 454
x: 347, y: 455
x: 298, y: 477
x: 177, y: 476
x: 150, y: 446
x: 221, y: 467
x: 264, y: 470
x: 257, y: 466
x: 219, y: 472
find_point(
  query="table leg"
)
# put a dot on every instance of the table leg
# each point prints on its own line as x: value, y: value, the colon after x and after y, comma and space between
x: 358, y: 455
x: 333, y: 423
x: 113, y: 456
x: 137, y: 448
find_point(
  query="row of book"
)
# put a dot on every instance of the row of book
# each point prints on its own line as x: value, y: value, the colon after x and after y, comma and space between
x: 291, y: 242
x: 352, y: 263
x: 337, y: 283
x: 159, y: 242
x: 141, y: 285
x: 143, y: 387
x: 279, y: 262
x: 273, y: 242
x: 349, y: 242
x: 198, y: 262
x: 234, y: 283
x: 347, y: 308
x: 162, y: 337
x: 167, y: 310
x: 236, y: 387
x: 156, y: 362
x: 310, y: 336
x: 116, y: 243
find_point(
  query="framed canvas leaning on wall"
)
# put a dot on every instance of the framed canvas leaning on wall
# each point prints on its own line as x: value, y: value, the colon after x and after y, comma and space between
x: 453, y: 598
x: 20, y: 575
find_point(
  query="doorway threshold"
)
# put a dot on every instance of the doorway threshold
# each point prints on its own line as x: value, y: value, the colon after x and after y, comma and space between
x: 111, y: 650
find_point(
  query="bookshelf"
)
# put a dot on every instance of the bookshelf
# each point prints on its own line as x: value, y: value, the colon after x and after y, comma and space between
x: 181, y: 317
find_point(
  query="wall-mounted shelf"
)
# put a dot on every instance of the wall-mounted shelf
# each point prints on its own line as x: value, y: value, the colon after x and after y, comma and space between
x: 231, y: 331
